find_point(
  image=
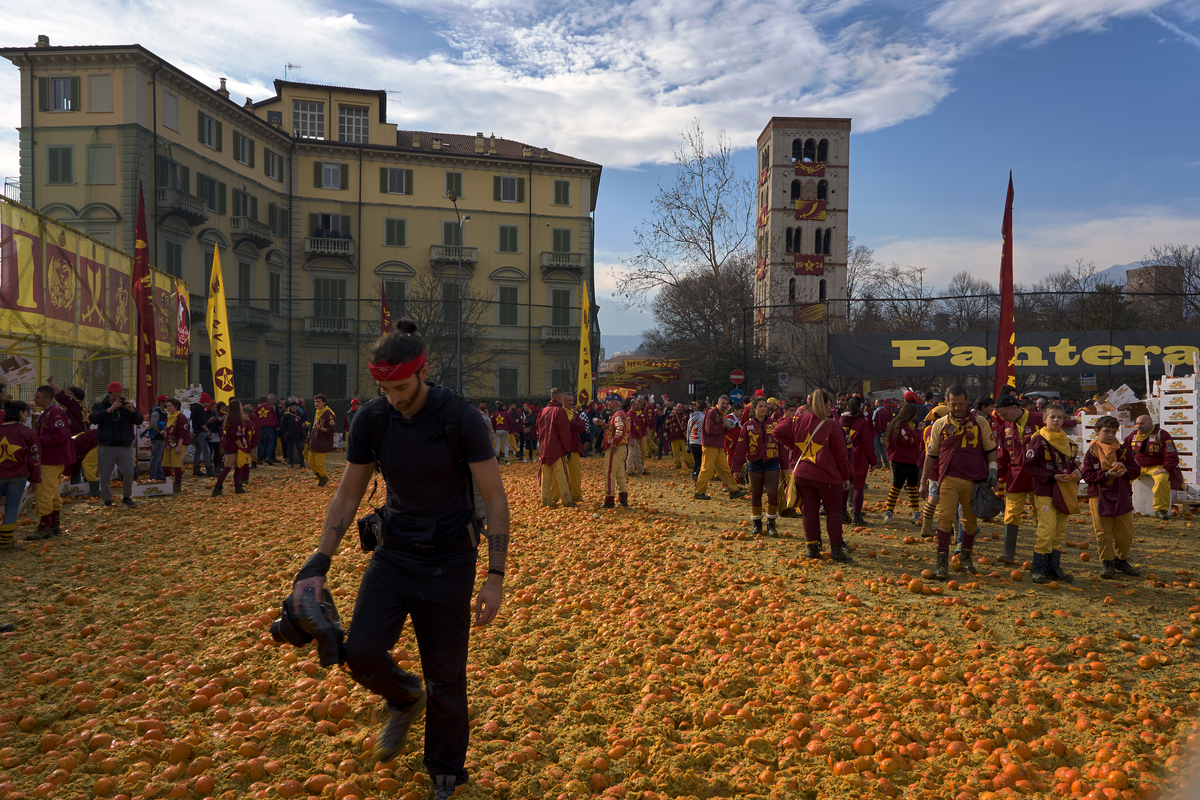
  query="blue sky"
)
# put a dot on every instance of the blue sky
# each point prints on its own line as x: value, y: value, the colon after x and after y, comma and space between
x: 1092, y: 103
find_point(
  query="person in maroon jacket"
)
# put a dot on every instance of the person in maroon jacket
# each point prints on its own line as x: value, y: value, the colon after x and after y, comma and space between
x: 1019, y: 427
x: 554, y: 443
x: 860, y: 445
x: 574, y: 457
x: 1108, y: 469
x: 232, y: 437
x: 636, y: 417
x: 57, y: 451
x: 715, y: 461
x: 1051, y: 462
x: 18, y: 465
x: 822, y: 472
x: 758, y: 450
x: 72, y: 402
x: 675, y: 427
x: 267, y: 423
x: 503, y: 425
x: 650, y: 428
x: 177, y: 435
x: 1155, y: 452
x: 905, y: 453
x: 881, y: 417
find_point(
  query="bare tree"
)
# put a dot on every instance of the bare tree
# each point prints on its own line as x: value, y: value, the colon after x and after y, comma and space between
x: 860, y: 264
x: 899, y: 298
x: 965, y: 302
x: 1176, y: 269
x: 699, y: 225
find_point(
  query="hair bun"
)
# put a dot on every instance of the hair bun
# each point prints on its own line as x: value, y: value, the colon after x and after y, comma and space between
x: 406, y: 326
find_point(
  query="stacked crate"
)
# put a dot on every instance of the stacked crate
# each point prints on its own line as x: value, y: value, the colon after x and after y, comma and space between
x: 1175, y: 403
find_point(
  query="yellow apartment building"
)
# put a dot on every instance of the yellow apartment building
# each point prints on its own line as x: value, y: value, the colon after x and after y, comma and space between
x: 317, y: 206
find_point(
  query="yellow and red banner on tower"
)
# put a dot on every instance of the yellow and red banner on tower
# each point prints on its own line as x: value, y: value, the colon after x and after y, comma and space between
x: 760, y: 273
x: 809, y: 265
x: 808, y: 312
x: 60, y: 287
x: 810, y: 169
x: 764, y: 214
x: 810, y: 209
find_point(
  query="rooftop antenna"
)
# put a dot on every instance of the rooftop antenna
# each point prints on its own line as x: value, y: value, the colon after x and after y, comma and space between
x: 288, y: 66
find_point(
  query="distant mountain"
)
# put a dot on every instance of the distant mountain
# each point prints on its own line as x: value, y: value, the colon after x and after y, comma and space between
x: 619, y: 343
x: 1115, y: 275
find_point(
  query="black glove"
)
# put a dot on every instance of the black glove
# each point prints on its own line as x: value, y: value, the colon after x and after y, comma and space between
x: 317, y: 566
x: 992, y: 479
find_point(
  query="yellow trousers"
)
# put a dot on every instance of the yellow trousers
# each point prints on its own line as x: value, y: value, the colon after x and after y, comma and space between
x: 46, y: 495
x: 680, y: 453
x: 575, y: 475
x: 555, y: 485
x: 953, y: 492
x: 172, y: 457
x: 1014, y: 505
x: 1113, y: 534
x: 241, y: 459
x: 1051, y: 527
x: 647, y: 440
x: 715, y: 462
x: 1162, y: 490
x: 316, y: 462
x: 91, y: 465
x: 614, y: 470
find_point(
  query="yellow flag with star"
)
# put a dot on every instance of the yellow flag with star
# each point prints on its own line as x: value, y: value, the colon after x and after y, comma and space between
x: 583, y: 386
x: 219, y: 345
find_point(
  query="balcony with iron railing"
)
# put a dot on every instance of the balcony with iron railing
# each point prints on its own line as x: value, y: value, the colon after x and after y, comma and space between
x: 175, y: 202
x: 250, y: 229
x: 447, y: 255
x: 336, y: 248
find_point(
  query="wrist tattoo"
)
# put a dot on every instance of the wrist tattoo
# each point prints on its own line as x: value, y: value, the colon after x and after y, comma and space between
x: 497, y: 551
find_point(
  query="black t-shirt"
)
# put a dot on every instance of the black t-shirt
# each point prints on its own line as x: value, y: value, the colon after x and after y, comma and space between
x: 427, y: 497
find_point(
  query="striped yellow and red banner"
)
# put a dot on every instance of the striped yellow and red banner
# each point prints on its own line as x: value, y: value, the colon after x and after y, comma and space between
x: 764, y: 214
x: 761, y: 272
x: 812, y: 169
x: 760, y: 316
x: 810, y: 209
x: 809, y: 265
x: 808, y: 312
x: 762, y: 176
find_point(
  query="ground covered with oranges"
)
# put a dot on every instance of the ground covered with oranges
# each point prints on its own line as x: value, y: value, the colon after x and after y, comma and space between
x: 650, y: 652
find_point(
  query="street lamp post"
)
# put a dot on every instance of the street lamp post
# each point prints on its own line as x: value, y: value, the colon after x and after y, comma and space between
x: 462, y: 220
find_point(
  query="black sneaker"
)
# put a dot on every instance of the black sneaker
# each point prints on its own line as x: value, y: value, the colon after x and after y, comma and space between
x: 129, y: 502
x: 395, y: 731
x: 108, y: 503
x: 701, y: 497
x: 443, y: 786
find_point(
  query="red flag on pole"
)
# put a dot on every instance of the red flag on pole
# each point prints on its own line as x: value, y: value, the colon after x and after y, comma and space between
x: 385, y: 316
x: 1006, y: 336
x: 146, y: 370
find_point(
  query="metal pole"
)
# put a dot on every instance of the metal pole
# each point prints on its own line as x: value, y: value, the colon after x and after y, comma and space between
x: 458, y: 332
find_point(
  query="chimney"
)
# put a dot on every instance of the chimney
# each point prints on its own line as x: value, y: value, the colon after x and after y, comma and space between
x: 223, y: 91
x: 43, y: 40
x: 479, y: 142
x: 527, y: 151
x: 437, y: 143
x: 545, y: 152
x: 416, y: 141
x: 249, y: 103
x: 492, y: 146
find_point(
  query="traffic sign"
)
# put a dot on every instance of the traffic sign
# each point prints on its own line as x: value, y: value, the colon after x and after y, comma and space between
x: 1088, y: 381
x: 737, y: 376
x: 737, y: 395
x: 783, y: 378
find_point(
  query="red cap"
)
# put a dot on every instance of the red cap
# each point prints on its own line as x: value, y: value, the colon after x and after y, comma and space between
x: 759, y: 393
x: 205, y: 399
x: 355, y: 403
x: 911, y: 397
x: 115, y: 386
x: 162, y: 398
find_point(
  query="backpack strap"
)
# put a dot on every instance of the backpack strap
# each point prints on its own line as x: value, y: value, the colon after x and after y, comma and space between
x: 450, y: 434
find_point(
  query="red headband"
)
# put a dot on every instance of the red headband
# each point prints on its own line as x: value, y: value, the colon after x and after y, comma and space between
x: 383, y: 371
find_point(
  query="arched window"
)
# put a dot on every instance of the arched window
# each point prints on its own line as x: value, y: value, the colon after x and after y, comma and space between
x: 810, y: 150
x: 822, y: 190
x: 766, y: 157
x: 817, y: 240
x: 787, y: 244
x: 828, y: 237
x: 795, y: 191
x: 797, y: 150
x: 792, y: 289
x: 821, y: 291
x: 823, y: 151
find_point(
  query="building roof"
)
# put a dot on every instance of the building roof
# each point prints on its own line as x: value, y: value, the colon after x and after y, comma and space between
x: 325, y: 87
x: 457, y: 144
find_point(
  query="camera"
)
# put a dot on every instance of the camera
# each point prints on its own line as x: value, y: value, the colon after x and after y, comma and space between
x: 313, y: 621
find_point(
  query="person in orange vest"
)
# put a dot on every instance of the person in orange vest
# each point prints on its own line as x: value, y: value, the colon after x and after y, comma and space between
x: 616, y: 442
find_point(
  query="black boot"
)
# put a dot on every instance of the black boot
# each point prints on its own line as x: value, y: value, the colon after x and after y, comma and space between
x: 839, y: 553
x: 846, y: 518
x: 608, y: 502
x: 1110, y: 570
x: 216, y: 492
x: 321, y: 481
x: 1009, y: 556
x: 758, y: 528
x: 967, y: 562
x: 771, y: 530
x: 858, y: 518
x: 814, y: 551
x: 623, y: 499
x: 1123, y: 565
x: 237, y: 489
x: 1039, y: 568
x: 1055, y: 569
x: 942, y: 571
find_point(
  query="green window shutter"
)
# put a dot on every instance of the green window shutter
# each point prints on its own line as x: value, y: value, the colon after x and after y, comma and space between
x: 253, y: 207
x: 520, y: 190
x: 389, y: 231
x: 345, y: 226
x: 218, y: 124
x: 160, y: 171
x: 402, y: 239
x: 267, y: 161
x: 185, y: 179
x: 408, y: 181
x: 383, y: 180
x: 271, y: 217
x: 344, y: 181
x: 317, y: 167
x: 43, y: 94
x: 252, y: 153
x: 52, y: 172
x: 314, y: 222
x: 200, y: 125
x: 496, y: 182
x: 558, y: 193
x: 222, y: 197
x: 75, y: 106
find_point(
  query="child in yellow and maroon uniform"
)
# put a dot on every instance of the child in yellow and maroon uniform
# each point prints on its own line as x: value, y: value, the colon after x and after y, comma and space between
x: 247, y: 446
x: 233, y: 441
x: 320, y: 441
x: 905, y: 452
x: 676, y: 430
x: 757, y: 448
x: 636, y: 421
x: 18, y: 465
x: 1051, y: 463
x: 176, y: 435
x: 960, y: 452
x: 861, y: 449
x: 57, y: 453
x: 1108, y: 469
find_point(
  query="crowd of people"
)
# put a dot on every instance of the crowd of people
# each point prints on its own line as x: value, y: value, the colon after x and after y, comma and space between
x: 811, y: 457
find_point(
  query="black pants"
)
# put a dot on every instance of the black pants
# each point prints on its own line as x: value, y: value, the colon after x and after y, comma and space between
x: 697, y: 452
x: 438, y: 597
x: 905, y: 474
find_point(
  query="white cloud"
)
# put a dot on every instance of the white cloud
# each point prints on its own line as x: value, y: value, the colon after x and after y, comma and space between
x: 994, y: 20
x: 1041, y: 248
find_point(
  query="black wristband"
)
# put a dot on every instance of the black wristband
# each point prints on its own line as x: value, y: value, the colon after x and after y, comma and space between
x: 316, y: 567
x: 499, y: 572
